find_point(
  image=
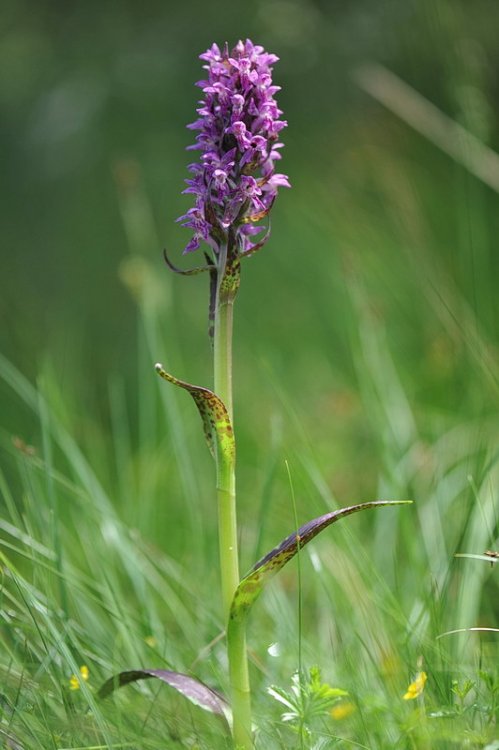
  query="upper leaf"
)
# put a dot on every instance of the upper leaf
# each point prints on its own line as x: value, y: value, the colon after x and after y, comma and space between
x: 216, y: 421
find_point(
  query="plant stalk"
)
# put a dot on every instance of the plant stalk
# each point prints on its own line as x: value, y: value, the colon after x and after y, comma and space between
x: 240, y: 687
x: 226, y: 478
x: 227, y: 525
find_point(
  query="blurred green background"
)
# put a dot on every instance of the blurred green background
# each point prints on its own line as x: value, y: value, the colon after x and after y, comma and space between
x: 383, y: 237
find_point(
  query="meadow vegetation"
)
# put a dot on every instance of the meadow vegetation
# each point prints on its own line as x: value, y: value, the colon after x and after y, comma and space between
x: 366, y: 367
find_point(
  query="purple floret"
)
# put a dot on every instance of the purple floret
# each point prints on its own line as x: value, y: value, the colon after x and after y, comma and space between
x: 234, y: 182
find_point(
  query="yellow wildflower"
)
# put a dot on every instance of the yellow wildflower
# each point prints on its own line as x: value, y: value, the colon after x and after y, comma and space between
x: 74, y: 682
x: 416, y: 688
x: 342, y: 710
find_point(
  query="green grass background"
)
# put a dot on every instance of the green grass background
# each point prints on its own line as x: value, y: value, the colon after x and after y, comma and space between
x: 366, y: 356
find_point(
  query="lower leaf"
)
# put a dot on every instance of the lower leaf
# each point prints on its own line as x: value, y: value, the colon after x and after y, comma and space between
x: 252, y: 584
x: 194, y: 690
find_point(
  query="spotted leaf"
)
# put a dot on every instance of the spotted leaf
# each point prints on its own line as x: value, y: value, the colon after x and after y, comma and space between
x: 216, y: 421
x: 252, y: 584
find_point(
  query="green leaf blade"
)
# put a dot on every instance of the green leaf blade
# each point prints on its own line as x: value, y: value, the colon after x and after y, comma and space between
x: 216, y: 421
x: 252, y: 584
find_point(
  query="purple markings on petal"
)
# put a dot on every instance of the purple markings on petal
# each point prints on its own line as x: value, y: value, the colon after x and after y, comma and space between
x: 237, y: 130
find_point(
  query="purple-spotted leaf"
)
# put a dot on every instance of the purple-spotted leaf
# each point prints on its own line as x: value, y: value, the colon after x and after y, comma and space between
x: 216, y: 422
x: 194, y: 690
x: 252, y: 584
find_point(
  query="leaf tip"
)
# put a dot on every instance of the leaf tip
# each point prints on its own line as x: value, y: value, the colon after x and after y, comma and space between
x: 396, y: 502
x: 161, y: 370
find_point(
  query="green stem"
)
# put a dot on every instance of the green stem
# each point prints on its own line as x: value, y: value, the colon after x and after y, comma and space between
x: 227, y: 524
x: 226, y: 478
x: 240, y: 687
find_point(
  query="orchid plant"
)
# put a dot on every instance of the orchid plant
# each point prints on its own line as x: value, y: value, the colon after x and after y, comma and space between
x: 234, y: 184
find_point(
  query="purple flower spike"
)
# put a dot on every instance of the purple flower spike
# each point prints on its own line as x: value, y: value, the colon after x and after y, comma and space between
x: 234, y: 183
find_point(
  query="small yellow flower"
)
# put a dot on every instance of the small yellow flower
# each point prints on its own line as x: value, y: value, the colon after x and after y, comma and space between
x: 342, y: 710
x: 416, y: 688
x: 74, y: 682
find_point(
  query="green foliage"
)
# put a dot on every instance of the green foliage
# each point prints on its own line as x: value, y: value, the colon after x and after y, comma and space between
x: 308, y: 699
